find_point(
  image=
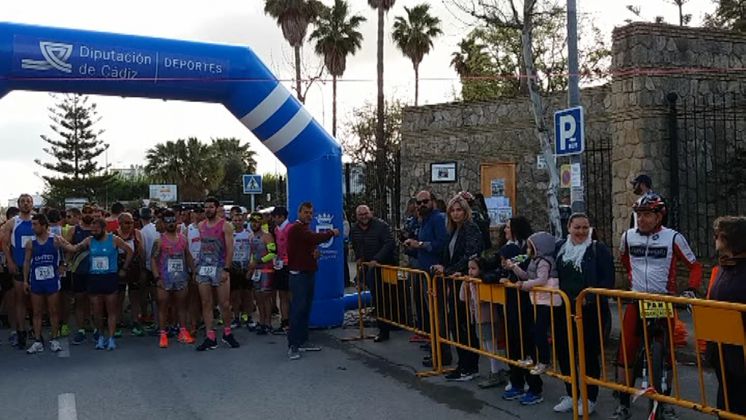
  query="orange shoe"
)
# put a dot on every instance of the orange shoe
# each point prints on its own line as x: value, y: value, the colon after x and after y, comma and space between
x: 164, y: 340
x: 185, y: 337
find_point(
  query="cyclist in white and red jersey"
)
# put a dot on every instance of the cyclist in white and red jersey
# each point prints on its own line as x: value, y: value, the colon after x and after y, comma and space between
x: 650, y: 254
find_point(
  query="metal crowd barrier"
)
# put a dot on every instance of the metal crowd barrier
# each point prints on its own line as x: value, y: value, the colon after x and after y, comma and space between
x: 721, y: 323
x: 401, y: 298
x: 495, y: 299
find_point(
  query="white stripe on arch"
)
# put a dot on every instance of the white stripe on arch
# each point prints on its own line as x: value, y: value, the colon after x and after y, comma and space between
x: 290, y: 131
x: 266, y: 108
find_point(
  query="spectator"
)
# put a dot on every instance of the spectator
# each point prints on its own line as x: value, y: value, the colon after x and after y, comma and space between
x: 427, y: 248
x: 373, y: 243
x: 464, y: 242
x: 302, y: 256
x: 582, y: 262
x: 730, y: 286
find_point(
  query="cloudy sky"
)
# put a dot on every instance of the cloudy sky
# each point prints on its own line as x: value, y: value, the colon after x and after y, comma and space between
x: 134, y: 125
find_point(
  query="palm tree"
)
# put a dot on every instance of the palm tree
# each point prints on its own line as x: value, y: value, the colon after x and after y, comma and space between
x: 236, y: 159
x: 294, y: 16
x: 382, y: 6
x: 337, y: 36
x: 414, y: 37
x: 190, y: 164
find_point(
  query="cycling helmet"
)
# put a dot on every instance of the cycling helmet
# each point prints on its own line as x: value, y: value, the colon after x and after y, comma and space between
x: 651, y: 202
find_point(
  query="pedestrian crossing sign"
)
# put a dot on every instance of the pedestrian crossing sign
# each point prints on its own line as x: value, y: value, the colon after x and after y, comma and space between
x: 252, y: 184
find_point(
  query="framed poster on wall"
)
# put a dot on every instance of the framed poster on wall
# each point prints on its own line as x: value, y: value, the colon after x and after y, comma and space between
x: 443, y: 172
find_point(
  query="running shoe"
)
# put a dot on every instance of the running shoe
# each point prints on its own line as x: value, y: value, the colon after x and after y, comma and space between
x: 173, y: 331
x: 261, y: 330
x: 493, y: 380
x: 13, y: 339
x: 513, y: 394
x: 96, y: 335
x: 565, y: 405
x: 55, y: 346
x: 236, y: 323
x: 293, y: 353
x: 101, y: 343
x: 278, y: 331
x: 591, y: 408
x: 251, y: 325
x: 527, y: 362
x: 163, y: 343
x: 118, y: 332
x: 79, y: 337
x: 458, y: 376
x: 207, y: 345
x: 244, y: 318
x: 111, y: 345
x: 64, y: 330
x: 309, y: 347
x: 185, y: 337
x: 530, y: 398
x: 230, y: 340
x: 37, y: 347
x: 21, y: 340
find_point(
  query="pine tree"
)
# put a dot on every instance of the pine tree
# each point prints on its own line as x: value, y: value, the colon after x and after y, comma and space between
x: 75, y: 150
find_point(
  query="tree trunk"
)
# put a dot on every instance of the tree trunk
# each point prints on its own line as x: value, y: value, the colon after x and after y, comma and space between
x: 416, y: 84
x: 380, y: 135
x: 542, y: 133
x: 297, y: 76
x: 334, y: 106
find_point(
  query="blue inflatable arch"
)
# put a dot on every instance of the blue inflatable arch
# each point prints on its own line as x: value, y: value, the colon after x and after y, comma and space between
x: 61, y: 60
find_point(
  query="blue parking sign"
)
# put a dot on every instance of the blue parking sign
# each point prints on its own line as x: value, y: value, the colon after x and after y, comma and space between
x: 569, y: 136
x: 252, y: 184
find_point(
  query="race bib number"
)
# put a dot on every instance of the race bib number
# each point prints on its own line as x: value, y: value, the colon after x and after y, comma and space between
x: 100, y: 263
x: 175, y: 265
x: 279, y: 264
x: 45, y: 272
x: 24, y: 240
x: 652, y: 309
x: 208, y: 271
x: 240, y: 255
x: 257, y: 276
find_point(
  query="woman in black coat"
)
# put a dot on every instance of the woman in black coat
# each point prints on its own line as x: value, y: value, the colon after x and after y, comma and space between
x: 464, y: 242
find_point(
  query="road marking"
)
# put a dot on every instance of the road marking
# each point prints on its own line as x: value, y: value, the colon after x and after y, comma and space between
x: 66, y: 407
x: 65, y: 348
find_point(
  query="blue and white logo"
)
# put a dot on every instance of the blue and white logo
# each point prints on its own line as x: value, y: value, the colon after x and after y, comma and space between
x: 569, y: 136
x: 252, y: 184
x: 55, y: 57
x: 324, y: 224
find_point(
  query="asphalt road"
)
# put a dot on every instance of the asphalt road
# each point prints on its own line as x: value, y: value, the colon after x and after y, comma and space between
x: 355, y: 380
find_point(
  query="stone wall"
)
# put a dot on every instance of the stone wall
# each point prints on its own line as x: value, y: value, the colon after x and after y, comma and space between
x: 476, y: 133
x: 650, y: 61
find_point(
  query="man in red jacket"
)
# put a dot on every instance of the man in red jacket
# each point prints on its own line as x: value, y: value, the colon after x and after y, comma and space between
x: 302, y: 255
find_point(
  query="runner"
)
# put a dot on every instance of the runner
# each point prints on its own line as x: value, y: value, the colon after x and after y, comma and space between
x: 41, y: 267
x: 261, y: 270
x: 282, y: 274
x: 78, y: 269
x: 7, y: 296
x: 171, y: 265
x: 149, y: 234
x: 193, y: 301
x: 103, y: 282
x: 650, y: 253
x: 112, y: 221
x: 212, y: 273
x: 15, y: 236
x: 241, y: 293
x: 131, y: 283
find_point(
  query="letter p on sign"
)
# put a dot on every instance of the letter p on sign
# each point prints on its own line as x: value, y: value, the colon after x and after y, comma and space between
x: 569, y: 138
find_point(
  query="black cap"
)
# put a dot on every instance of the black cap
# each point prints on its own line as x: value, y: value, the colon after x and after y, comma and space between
x: 280, y: 211
x: 146, y: 213
x: 643, y: 179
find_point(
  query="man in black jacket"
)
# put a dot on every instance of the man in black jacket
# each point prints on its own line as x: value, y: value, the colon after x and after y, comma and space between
x: 373, y: 242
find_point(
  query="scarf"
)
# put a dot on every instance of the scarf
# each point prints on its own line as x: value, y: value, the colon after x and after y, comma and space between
x: 571, y: 253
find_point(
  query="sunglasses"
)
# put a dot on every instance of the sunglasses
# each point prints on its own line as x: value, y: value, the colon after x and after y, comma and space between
x: 425, y: 201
